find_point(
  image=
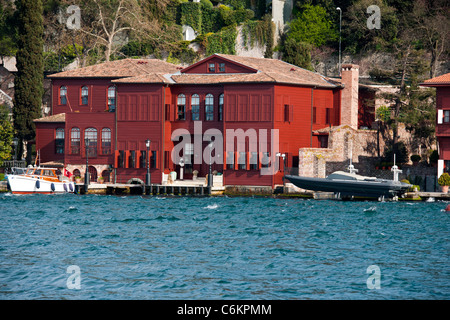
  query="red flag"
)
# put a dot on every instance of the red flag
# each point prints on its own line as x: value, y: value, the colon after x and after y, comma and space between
x: 67, y: 173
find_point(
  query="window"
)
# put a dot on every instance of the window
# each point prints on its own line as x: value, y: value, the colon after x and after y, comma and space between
x: 220, y: 107
x: 323, y: 141
x: 121, y: 159
x: 211, y: 67
x: 84, y: 95
x: 242, y: 161
x: 195, y: 106
x: 112, y: 99
x: 188, y: 157
x: 253, y: 160
x: 132, y: 159
x: 75, y: 141
x: 181, y: 104
x: 230, y: 160
x: 153, y: 159
x: 143, y: 159
x: 265, y: 161
x: 106, y: 141
x: 63, y: 95
x: 286, y: 113
x: 209, y: 107
x: 221, y: 67
x: 446, y: 116
x: 91, y: 147
x: 59, y: 141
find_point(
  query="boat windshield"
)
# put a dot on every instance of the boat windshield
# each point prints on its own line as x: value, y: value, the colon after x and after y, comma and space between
x: 30, y: 171
x: 48, y: 173
x: 38, y: 172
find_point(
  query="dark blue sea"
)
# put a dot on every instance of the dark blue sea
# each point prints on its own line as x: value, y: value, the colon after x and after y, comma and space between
x: 143, y: 247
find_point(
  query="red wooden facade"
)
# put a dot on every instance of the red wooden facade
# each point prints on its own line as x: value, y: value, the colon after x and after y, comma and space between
x: 221, y: 92
x: 442, y: 85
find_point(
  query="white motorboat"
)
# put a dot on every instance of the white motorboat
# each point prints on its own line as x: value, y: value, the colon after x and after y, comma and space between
x: 40, y: 180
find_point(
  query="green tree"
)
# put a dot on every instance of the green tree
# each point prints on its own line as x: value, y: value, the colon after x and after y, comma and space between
x: 357, y: 37
x: 28, y: 82
x: 432, y: 19
x: 312, y: 26
x: 8, y: 29
x: 409, y: 105
x: 297, y: 53
x: 6, y: 134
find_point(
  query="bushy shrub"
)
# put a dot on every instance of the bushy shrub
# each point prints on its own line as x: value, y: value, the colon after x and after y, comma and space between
x: 444, y: 179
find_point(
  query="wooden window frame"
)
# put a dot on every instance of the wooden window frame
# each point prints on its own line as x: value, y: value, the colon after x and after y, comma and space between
x: 111, y: 106
x: 92, y: 147
x: 60, y: 100
x: 181, y: 105
x: 195, y: 115
x: 59, y: 142
x: 209, y: 107
x: 106, y: 141
x: 84, y: 96
x: 75, y: 142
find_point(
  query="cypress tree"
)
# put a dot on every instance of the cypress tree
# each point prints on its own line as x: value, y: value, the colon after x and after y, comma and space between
x: 28, y: 83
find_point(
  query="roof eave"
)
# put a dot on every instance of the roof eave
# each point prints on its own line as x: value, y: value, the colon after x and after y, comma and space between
x: 435, y: 84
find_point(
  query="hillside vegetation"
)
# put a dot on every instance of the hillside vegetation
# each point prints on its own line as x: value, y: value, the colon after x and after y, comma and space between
x: 115, y: 29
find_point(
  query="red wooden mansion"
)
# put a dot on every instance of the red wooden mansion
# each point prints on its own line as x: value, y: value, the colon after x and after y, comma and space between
x: 107, y: 112
x: 442, y: 85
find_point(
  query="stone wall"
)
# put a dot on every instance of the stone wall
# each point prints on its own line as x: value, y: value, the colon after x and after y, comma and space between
x: 344, y: 142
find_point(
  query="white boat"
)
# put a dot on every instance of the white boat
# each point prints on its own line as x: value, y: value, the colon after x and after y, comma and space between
x: 40, y: 180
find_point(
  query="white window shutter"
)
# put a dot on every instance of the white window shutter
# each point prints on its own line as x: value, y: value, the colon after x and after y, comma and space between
x: 440, y: 116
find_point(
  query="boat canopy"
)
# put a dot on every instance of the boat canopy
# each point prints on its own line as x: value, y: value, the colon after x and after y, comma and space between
x: 342, y: 175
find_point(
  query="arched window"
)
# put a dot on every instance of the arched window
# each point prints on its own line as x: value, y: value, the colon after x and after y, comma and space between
x: 75, y: 141
x: 106, y: 141
x: 209, y: 107
x: 76, y: 173
x: 90, y: 140
x: 59, y: 141
x: 84, y: 95
x: 112, y: 98
x: 195, y: 106
x: 105, y: 175
x: 63, y: 95
x: 221, y: 107
x: 181, y: 107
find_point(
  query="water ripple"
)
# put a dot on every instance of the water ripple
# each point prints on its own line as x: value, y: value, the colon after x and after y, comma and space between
x: 221, y: 248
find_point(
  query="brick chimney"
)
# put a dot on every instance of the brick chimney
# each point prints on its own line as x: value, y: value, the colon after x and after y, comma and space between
x: 349, y: 98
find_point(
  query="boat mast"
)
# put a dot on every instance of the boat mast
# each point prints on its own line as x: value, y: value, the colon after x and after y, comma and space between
x: 351, y: 167
x: 395, y: 170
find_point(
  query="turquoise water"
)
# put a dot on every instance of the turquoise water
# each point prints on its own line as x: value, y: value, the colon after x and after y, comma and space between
x: 221, y: 248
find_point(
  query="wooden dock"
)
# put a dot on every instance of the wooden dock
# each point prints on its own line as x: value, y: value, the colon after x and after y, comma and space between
x: 155, y: 190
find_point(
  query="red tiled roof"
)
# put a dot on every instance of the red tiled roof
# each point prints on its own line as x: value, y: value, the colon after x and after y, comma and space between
x: 60, y: 117
x: 158, y: 71
x: 145, y: 78
x: 120, y: 69
x: 440, y: 80
x: 268, y: 71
